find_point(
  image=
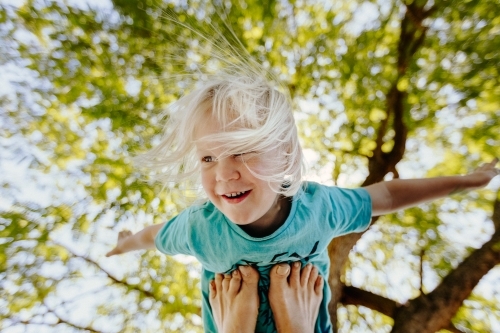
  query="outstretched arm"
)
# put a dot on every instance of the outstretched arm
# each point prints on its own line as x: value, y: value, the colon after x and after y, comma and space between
x: 388, y: 197
x: 143, y: 240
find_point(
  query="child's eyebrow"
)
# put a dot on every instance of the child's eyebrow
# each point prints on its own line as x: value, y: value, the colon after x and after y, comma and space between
x: 204, y: 151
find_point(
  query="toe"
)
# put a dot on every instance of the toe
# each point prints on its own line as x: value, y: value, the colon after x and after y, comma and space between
x: 249, y: 275
x: 212, y: 290
x: 279, y: 274
x: 295, y: 274
x: 318, y: 286
x: 225, y: 282
x: 235, y: 282
x: 305, y: 275
x: 313, y: 277
x: 218, y: 281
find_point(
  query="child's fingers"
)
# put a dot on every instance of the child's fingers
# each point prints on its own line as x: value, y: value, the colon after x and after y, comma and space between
x: 124, y: 234
x: 493, y: 163
x: 488, y: 166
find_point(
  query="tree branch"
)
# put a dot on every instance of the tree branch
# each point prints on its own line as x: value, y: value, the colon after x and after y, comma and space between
x: 434, y: 311
x: 64, y: 321
x: 59, y: 321
x: 355, y: 296
x: 110, y: 276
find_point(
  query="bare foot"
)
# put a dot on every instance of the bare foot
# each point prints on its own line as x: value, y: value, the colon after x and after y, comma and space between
x: 234, y: 300
x: 295, y: 300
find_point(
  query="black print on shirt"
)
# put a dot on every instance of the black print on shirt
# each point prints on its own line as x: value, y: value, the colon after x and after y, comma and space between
x: 279, y: 257
x: 295, y: 255
x: 276, y: 256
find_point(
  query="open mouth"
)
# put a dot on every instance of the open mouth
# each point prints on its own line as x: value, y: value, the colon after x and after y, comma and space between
x: 236, y: 195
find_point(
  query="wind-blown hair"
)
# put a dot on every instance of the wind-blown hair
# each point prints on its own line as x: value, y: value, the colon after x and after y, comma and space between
x: 253, y: 116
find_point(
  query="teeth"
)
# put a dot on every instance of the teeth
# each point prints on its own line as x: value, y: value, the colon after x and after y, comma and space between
x: 232, y: 195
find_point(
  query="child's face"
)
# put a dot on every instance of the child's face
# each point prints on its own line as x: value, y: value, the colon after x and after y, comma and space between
x: 231, y: 187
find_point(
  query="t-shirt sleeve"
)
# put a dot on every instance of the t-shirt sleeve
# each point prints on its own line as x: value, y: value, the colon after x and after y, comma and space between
x: 352, y: 210
x: 173, y: 237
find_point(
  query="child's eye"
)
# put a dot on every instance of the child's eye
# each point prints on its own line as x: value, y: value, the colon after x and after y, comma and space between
x: 207, y: 159
x: 241, y: 154
x: 246, y: 155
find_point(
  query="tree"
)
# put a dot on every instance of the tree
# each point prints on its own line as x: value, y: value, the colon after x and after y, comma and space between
x: 382, y: 89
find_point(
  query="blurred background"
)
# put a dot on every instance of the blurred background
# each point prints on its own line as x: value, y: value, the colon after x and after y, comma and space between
x: 82, y: 86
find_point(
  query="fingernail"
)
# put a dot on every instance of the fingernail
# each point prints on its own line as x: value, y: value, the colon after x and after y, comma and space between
x: 283, y: 269
x: 245, y: 270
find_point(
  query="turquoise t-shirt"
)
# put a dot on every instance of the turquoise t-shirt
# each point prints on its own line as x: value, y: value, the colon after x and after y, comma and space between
x: 318, y: 214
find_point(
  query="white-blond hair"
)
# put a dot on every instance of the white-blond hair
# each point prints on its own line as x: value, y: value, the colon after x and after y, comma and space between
x: 254, y: 117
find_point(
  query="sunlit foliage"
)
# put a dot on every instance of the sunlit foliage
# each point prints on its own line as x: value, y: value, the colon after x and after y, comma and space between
x: 82, y: 87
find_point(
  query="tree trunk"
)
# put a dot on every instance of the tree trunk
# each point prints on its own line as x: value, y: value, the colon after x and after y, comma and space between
x: 381, y: 162
x: 427, y: 313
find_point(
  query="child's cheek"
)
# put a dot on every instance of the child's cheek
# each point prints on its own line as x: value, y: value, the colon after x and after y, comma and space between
x: 266, y: 164
x: 206, y: 178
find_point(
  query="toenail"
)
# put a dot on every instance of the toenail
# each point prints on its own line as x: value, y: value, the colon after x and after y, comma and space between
x: 283, y: 269
x: 235, y: 273
x: 296, y: 264
x: 245, y: 270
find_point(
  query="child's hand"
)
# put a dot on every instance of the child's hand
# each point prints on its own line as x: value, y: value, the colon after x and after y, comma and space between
x: 483, y: 175
x: 122, y: 236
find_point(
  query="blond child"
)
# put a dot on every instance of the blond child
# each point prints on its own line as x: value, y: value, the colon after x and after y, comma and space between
x: 236, y: 135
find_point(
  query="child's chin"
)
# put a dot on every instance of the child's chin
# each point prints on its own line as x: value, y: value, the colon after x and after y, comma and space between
x: 239, y: 221
x: 242, y: 222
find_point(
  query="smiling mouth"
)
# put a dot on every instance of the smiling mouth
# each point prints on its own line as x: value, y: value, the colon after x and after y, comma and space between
x: 235, y: 195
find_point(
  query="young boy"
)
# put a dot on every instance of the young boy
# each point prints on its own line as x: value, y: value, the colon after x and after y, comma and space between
x: 237, y: 133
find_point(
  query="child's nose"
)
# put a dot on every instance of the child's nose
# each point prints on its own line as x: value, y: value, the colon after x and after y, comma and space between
x: 227, y: 169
